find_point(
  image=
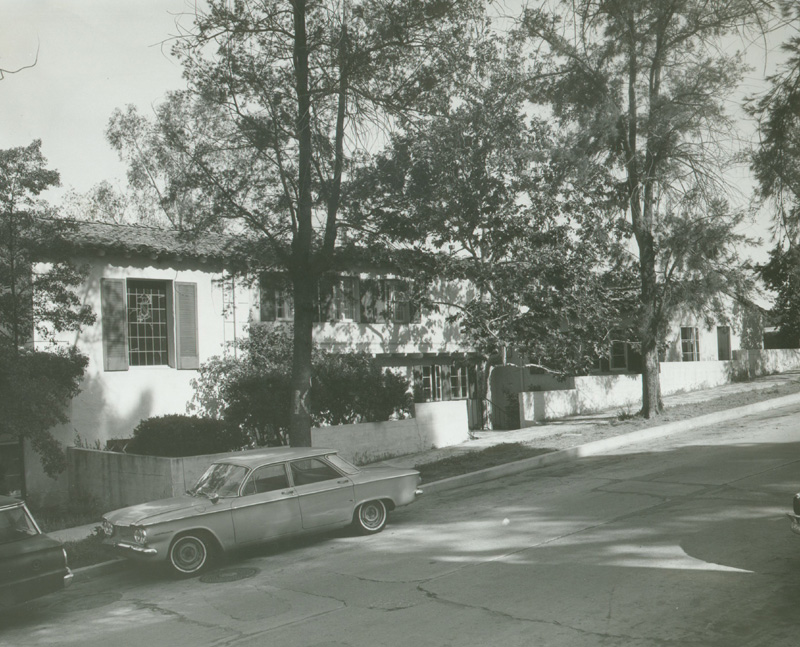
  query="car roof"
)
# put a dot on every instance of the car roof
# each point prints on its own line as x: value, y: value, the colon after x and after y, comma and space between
x: 274, y: 455
x: 6, y: 501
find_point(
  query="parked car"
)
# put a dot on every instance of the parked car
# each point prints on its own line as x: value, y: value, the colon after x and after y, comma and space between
x: 31, y: 563
x: 258, y: 497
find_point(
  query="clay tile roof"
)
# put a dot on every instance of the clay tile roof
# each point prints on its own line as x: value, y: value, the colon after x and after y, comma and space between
x: 109, y: 238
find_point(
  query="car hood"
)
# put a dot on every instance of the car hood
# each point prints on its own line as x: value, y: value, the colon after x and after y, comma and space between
x: 162, y: 510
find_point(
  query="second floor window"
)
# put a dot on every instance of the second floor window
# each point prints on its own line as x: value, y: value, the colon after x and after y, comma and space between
x: 276, y: 298
x: 344, y: 301
x: 147, y: 323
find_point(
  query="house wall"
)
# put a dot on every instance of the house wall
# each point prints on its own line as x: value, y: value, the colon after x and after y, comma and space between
x: 595, y: 393
x: 707, y: 339
x: 113, y: 480
x: 112, y: 403
x: 433, y: 334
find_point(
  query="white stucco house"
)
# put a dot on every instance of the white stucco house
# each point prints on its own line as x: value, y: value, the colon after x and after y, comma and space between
x: 166, y: 304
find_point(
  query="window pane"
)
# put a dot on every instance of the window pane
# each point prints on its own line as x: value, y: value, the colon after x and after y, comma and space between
x: 269, y: 478
x: 312, y: 470
x: 617, y: 356
x: 147, y: 323
x: 690, y: 349
x: 458, y: 382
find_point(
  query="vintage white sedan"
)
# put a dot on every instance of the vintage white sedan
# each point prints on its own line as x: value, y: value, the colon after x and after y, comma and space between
x: 255, y: 498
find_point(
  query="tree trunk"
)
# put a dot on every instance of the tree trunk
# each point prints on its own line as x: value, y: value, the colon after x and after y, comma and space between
x: 648, y: 327
x: 300, y: 419
x: 301, y: 271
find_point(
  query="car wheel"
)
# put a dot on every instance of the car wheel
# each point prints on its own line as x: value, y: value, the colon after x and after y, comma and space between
x: 190, y: 554
x: 370, y: 517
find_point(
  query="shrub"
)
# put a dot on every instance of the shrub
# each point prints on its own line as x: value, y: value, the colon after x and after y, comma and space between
x: 352, y: 387
x: 253, y: 392
x: 177, y: 435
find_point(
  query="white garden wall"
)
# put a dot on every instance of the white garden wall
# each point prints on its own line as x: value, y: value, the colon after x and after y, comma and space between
x: 436, y: 424
x: 115, y: 480
x: 595, y: 393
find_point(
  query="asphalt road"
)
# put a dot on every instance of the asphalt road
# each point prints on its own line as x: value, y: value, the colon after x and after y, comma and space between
x: 680, y: 541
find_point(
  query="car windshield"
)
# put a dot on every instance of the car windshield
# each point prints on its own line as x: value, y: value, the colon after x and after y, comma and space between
x: 15, y: 524
x: 221, y: 479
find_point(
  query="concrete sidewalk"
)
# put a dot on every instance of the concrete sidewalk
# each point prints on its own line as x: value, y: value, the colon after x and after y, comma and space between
x: 570, y: 438
x: 570, y: 432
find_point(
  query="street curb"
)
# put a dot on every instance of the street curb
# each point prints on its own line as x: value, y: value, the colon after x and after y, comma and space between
x: 605, y: 445
x: 87, y: 572
x: 551, y: 458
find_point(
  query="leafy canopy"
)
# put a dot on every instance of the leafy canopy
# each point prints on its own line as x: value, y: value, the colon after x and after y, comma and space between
x: 36, y: 301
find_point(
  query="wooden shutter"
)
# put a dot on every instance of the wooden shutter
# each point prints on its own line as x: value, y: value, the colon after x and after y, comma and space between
x: 114, y: 324
x: 188, y: 355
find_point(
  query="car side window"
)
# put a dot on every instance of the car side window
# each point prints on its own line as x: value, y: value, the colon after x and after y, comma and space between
x: 268, y: 478
x: 312, y: 470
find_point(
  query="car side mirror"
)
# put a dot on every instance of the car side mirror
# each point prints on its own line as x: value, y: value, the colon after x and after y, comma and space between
x: 214, y: 498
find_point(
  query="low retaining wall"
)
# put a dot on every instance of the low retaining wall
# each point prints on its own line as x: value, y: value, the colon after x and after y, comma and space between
x: 436, y: 424
x: 594, y: 393
x: 114, y: 480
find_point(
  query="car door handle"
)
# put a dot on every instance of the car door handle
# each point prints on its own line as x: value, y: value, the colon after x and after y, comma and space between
x: 287, y: 492
x: 343, y: 482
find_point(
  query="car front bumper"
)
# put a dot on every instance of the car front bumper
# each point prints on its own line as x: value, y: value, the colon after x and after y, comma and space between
x: 134, y: 548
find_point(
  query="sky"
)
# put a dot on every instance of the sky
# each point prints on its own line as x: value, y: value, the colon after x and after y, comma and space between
x: 98, y: 55
x: 93, y: 56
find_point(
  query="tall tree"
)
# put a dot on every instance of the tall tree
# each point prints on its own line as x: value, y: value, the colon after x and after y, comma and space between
x: 481, y: 191
x: 35, y: 301
x: 644, y: 85
x: 776, y: 164
x: 294, y: 92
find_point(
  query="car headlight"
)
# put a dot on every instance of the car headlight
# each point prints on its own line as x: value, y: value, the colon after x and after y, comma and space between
x: 140, y: 535
x: 108, y: 527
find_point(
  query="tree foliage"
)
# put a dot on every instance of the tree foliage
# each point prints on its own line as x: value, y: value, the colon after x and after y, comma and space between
x: 251, y: 391
x: 642, y: 85
x: 776, y: 164
x: 282, y: 99
x: 482, y: 191
x: 36, y: 301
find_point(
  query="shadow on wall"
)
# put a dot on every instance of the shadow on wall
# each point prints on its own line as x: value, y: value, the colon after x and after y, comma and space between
x: 433, y: 334
x: 94, y: 419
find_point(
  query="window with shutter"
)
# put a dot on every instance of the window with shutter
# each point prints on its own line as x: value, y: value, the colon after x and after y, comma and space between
x: 149, y: 323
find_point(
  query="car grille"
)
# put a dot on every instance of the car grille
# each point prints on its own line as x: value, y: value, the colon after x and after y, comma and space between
x: 123, y: 532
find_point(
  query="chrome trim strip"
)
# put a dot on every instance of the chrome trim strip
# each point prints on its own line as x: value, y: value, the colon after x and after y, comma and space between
x: 136, y: 549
